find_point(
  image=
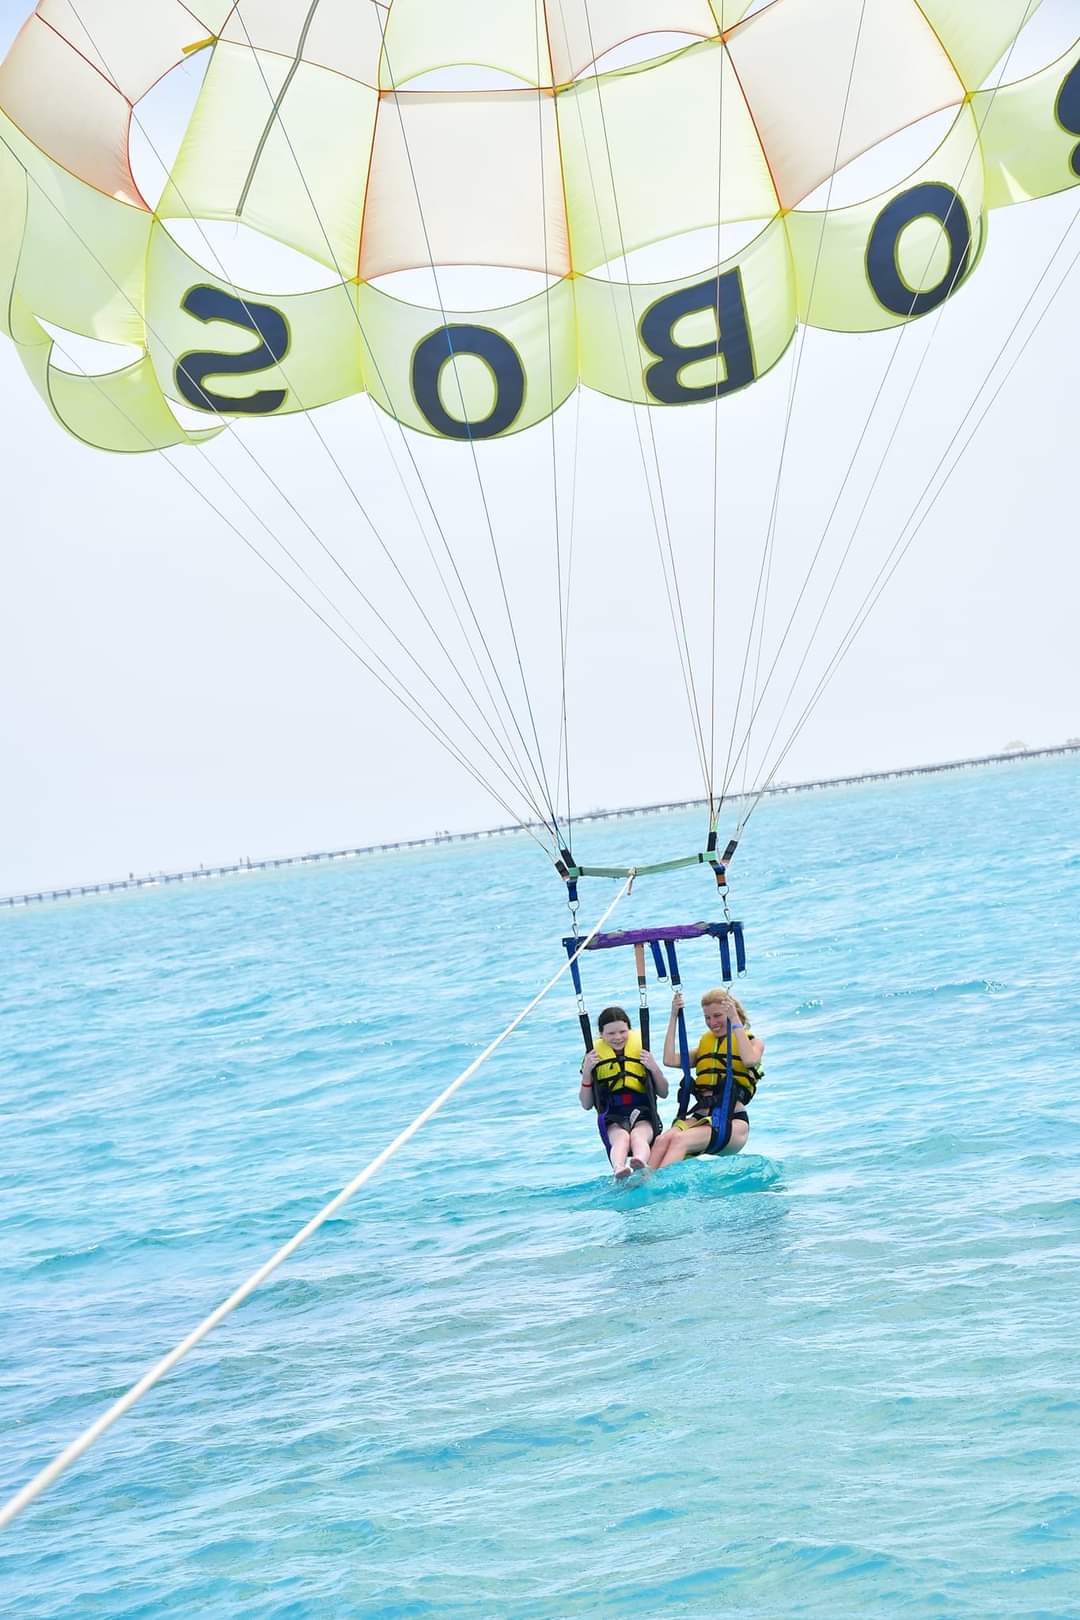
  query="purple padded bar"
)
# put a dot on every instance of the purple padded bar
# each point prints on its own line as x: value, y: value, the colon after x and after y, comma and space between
x: 645, y: 936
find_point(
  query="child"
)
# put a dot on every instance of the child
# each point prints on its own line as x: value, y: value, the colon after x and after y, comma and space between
x: 622, y: 1082
x: 709, y: 1057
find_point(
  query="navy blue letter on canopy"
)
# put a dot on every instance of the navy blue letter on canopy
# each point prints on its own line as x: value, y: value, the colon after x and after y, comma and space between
x: 498, y: 355
x: 269, y: 325
x: 930, y: 200
x: 724, y: 296
x: 1067, y: 110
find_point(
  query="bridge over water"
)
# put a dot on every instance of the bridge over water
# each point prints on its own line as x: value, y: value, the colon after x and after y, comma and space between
x: 76, y: 891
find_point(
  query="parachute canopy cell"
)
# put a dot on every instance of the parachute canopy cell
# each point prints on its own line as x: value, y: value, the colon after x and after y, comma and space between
x: 556, y: 141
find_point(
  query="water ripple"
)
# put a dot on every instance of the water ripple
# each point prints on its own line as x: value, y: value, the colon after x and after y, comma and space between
x: 836, y: 1377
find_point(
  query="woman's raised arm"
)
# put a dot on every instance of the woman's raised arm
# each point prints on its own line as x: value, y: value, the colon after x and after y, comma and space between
x: 671, y: 1050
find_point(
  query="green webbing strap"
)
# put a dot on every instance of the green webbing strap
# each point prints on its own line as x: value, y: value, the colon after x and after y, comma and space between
x: 704, y: 859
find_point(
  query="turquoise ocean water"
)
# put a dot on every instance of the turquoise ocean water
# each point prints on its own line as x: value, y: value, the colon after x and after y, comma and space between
x: 834, y: 1377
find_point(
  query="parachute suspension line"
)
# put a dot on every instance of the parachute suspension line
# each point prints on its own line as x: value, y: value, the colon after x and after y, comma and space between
x: 774, y: 512
x: 409, y: 701
x: 649, y: 493
x: 745, y: 743
x: 681, y: 649
x: 901, y: 333
x: 496, y: 709
x: 671, y: 586
x: 41, y: 1481
x: 389, y: 395
x: 564, y: 727
x: 714, y: 807
x: 390, y: 679
x: 562, y: 752
x: 403, y: 697
x: 898, y: 551
x: 415, y: 466
x: 541, y: 768
x: 275, y: 110
x: 695, y: 709
x: 764, y: 580
x: 915, y: 522
x: 646, y: 480
x: 543, y: 45
x: 848, y: 548
x: 507, y: 747
x: 237, y: 438
x: 398, y: 641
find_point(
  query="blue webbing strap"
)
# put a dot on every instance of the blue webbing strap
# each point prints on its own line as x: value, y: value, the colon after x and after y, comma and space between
x: 725, y: 954
x: 723, y: 1110
x: 740, y: 947
x: 565, y: 867
x: 684, y: 1045
x: 572, y: 946
x: 658, y: 959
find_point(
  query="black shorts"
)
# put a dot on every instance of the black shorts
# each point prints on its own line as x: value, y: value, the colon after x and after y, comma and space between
x: 625, y: 1119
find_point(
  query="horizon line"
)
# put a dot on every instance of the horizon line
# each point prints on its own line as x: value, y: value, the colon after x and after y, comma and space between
x: 79, y: 891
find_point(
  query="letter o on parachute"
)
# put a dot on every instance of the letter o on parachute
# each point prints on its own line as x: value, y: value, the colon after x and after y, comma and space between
x: 432, y: 135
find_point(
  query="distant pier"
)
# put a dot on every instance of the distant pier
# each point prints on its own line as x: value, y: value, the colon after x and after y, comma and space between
x: 77, y: 891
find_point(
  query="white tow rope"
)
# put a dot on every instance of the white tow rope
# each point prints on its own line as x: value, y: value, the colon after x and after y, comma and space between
x: 71, y: 1453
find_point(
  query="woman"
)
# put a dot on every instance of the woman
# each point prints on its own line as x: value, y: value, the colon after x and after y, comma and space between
x: 709, y: 1058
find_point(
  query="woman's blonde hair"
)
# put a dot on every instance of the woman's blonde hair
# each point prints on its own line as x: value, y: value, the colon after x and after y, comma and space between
x: 723, y: 993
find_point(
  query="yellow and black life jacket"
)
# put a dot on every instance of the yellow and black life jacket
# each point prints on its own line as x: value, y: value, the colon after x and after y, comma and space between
x: 622, y: 1071
x: 710, y: 1070
x: 620, y: 1079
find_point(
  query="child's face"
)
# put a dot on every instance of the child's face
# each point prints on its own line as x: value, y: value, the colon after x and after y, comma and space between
x: 616, y: 1034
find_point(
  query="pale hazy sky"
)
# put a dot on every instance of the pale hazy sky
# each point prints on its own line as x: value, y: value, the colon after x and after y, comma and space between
x: 166, y: 701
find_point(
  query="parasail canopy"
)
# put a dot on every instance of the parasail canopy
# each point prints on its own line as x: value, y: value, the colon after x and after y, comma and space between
x: 501, y: 135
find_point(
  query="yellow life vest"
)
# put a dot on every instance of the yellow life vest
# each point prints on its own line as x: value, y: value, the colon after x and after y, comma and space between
x: 621, y: 1071
x: 710, y: 1070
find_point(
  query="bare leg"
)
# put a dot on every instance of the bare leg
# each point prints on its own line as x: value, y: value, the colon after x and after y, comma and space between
x: 659, y: 1148
x: 640, y: 1144
x: 682, y: 1145
x: 740, y: 1131
x: 620, y: 1147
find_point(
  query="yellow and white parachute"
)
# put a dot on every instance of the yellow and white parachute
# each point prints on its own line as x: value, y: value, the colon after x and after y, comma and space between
x: 359, y: 135
x: 215, y: 211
